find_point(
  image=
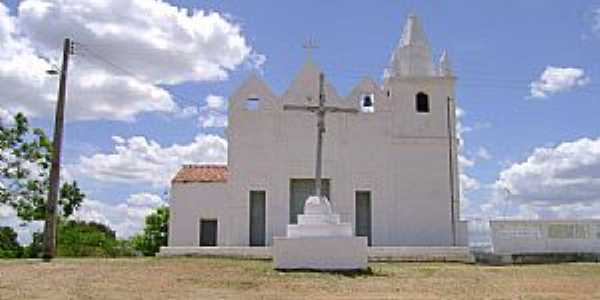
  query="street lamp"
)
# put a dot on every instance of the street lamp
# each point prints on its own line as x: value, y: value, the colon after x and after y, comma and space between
x: 53, y: 71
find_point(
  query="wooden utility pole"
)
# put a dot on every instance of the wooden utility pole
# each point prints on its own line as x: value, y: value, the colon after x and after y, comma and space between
x: 53, y: 192
x: 452, y: 167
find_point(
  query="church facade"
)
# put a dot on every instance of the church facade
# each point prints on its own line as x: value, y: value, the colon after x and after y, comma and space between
x: 389, y: 170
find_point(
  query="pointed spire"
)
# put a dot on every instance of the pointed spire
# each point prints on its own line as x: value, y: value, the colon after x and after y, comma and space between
x: 412, y: 57
x: 413, y: 34
x: 445, y: 66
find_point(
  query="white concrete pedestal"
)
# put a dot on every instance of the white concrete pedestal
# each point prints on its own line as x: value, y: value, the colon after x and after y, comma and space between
x: 320, y: 253
x: 320, y: 242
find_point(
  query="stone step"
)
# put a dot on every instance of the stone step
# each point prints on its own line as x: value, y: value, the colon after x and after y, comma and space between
x: 375, y: 254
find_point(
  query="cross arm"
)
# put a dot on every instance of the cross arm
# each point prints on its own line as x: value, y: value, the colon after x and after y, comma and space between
x: 340, y: 109
x: 300, y: 107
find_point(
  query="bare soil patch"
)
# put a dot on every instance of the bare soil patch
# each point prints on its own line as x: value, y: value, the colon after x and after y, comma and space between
x: 219, y: 278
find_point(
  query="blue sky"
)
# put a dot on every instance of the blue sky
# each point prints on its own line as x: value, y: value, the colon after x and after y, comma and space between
x: 498, y: 49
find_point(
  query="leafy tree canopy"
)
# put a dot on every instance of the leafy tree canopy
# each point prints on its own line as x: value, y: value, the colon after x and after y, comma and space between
x: 25, y: 159
x: 9, y: 246
x: 155, y: 234
x: 81, y: 238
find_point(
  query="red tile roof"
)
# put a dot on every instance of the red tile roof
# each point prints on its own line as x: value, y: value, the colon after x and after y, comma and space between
x: 201, y: 173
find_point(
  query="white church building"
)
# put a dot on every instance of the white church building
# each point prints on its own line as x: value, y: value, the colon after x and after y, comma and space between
x: 389, y: 170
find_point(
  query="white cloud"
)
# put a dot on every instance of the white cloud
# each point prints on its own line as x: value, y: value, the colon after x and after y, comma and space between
x: 140, y: 160
x: 158, y: 42
x: 186, y: 112
x: 8, y: 217
x: 145, y: 199
x: 483, y: 153
x: 556, y: 181
x: 555, y: 80
x: 214, y: 113
x: 6, y: 118
x: 466, y: 182
x: 215, y: 102
x: 163, y: 42
x: 212, y: 119
x: 126, y: 218
x: 98, y: 94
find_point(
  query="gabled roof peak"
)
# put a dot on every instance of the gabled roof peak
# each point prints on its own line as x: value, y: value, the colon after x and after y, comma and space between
x: 304, y: 88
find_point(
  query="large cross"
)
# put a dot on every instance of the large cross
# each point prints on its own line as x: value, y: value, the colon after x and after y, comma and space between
x: 310, y: 45
x: 320, y: 110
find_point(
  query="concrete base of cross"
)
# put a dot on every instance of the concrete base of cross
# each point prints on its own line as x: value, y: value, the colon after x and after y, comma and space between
x: 320, y: 241
x: 320, y: 253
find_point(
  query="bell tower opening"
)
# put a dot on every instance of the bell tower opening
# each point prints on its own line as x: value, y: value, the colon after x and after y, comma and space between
x: 422, y: 102
x: 367, y: 103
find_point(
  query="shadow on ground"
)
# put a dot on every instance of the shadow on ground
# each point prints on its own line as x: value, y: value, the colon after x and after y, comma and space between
x: 368, y: 272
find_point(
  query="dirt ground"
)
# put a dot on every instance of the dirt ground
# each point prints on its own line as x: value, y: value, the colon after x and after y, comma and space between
x: 219, y: 278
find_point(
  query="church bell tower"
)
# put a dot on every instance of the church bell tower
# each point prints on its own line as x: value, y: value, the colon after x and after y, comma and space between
x: 419, y: 89
x: 421, y: 94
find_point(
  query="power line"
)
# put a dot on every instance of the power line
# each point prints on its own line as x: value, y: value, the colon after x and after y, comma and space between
x: 99, y: 57
x: 358, y: 73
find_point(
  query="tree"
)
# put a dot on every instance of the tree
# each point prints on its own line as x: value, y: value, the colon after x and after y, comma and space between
x: 9, y: 246
x: 155, y: 234
x: 34, y: 250
x: 81, y: 238
x: 25, y: 156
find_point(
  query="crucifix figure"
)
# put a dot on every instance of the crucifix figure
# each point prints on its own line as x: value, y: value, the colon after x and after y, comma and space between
x: 320, y: 110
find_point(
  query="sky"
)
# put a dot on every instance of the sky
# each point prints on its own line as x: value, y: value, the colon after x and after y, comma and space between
x: 149, y: 82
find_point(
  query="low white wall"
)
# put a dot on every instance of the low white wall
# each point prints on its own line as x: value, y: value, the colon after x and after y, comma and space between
x: 545, y: 236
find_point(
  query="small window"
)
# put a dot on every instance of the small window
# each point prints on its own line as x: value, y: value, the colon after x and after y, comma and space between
x: 367, y: 103
x: 389, y: 93
x: 252, y: 103
x: 422, y: 102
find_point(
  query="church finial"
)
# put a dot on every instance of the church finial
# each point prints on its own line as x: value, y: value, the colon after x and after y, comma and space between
x: 412, y: 57
x: 445, y: 66
x: 309, y: 45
